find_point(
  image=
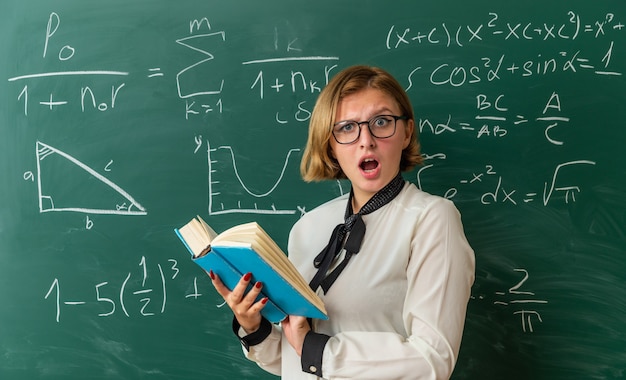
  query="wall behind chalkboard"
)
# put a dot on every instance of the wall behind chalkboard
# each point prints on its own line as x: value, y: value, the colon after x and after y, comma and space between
x: 121, y: 120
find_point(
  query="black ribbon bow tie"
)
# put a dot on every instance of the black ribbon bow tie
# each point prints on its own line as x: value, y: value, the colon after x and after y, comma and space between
x: 349, y: 236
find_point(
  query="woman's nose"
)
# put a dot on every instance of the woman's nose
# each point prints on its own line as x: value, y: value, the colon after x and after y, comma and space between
x: 366, y: 138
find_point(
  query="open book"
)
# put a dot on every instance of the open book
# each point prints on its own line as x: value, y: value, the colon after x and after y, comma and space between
x: 247, y: 248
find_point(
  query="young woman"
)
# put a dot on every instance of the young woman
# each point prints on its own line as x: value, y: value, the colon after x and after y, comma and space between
x: 390, y: 262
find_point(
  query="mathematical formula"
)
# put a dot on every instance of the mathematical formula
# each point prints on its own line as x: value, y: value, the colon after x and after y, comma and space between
x: 495, y: 116
x: 119, y: 120
x: 135, y: 292
x: 524, y: 303
x: 573, y: 27
x: 499, y: 193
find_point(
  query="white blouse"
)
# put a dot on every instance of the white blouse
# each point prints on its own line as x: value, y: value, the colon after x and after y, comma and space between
x: 398, y: 309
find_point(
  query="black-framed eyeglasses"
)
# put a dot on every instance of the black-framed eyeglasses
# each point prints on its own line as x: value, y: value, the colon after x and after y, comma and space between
x: 380, y: 126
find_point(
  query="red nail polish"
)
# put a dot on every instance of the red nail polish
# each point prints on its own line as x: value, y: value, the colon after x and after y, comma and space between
x: 247, y: 277
x: 258, y: 285
x: 264, y: 300
x: 211, y: 274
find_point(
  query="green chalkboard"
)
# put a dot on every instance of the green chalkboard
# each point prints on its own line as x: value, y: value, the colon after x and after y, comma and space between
x: 120, y: 120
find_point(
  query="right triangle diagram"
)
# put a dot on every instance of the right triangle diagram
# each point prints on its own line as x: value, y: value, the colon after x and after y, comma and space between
x: 66, y: 184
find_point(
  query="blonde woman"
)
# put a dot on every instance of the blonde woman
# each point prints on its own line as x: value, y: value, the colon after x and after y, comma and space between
x: 390, y: 262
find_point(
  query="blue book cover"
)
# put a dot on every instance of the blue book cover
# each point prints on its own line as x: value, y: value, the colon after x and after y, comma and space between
x: 231, y: 261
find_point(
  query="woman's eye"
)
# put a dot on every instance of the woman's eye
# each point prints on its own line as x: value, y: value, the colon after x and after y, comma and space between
x: 381, y: 122
x: 346, y: 128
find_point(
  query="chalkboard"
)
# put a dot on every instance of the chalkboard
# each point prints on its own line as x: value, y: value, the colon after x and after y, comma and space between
x: 121, y: 120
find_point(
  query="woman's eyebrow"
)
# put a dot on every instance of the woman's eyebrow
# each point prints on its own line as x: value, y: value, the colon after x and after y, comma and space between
x: 382, y: 111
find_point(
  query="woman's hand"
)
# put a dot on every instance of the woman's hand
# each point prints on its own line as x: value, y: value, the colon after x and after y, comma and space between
x: 295, y: 329
x: 246, y: 310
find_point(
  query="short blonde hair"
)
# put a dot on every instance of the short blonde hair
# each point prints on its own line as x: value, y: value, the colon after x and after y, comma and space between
x: 317, y: 160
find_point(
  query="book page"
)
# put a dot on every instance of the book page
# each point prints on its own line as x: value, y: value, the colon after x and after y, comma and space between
x: 195, y: 239
x: 210, y: 233
x: 253, y: 235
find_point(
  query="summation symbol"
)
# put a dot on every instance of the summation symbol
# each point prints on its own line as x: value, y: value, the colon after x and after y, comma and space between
x: 187, y: 42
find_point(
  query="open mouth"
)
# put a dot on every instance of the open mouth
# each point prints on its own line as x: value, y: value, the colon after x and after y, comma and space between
x: 368, y: 164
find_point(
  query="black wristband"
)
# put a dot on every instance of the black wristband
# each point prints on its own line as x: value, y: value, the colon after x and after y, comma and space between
x: 312, y: 352
x: 256, y: 337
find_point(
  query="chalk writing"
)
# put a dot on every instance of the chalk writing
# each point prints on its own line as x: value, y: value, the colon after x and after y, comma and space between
x: 48, y: 202
x: 295, y: 80
x: 492, y: 68
x: 495, y: 119
x: 570, y: 29
x: 86, y: 95
x: 134, y: 296
x: 231, y: 161
x: 522, y: 304
x: 501, y: 193
x: 206, y: 107
x: 569, y: 189
x: 183, y: 91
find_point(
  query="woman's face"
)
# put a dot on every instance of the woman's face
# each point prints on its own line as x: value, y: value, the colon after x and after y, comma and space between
x: 370, y: 163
